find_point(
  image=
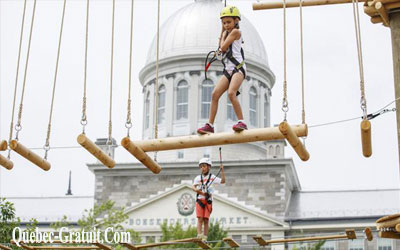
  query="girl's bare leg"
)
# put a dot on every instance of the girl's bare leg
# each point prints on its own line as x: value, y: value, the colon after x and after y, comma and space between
x: 219, y: 89
x: 234, y: 86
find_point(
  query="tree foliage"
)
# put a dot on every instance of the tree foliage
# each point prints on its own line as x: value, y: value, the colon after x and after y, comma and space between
x: 8, y: 220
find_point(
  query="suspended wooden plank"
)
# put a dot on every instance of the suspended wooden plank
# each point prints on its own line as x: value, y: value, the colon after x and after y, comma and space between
x: 366, y: 138
x: 389, y: 221
x: 294, y: 141
x: 389, y: 235
x: 4, y: 247
x: 231, y: 242
x: 6, y: 163
x: 350, y: 234
x: 29, y: 155
x: 95, y: 150
x: 138, y: 148
x: 3, y: 145
x: 194, y: 141
x: 198, y: 241
x: 294, y: 3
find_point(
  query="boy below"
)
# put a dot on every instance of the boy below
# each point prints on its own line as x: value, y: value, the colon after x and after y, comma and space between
x: 202, y: 185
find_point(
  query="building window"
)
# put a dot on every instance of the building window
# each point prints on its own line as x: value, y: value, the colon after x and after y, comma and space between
x: 385, y: 244
x: 180, y: 154
x: 253, y: 106
x: 356, y: 245
x: 147, y: 111
x: 328, y: 245
x: 182, y: 100
x: 161, y: 104
x: 206, y: 92
x: 278, y: 150
x: 266, y: 110
x: 271, y: 150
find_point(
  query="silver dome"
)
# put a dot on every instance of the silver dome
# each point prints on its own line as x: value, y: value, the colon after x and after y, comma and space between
x: 195, y: 29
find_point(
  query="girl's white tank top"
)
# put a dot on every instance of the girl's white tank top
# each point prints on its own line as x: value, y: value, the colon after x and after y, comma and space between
x: 236, y: 47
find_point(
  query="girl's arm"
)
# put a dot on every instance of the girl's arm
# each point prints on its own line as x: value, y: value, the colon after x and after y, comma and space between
x: 226, y: 42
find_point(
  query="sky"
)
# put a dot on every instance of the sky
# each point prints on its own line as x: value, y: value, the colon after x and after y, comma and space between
x: 332, y: 91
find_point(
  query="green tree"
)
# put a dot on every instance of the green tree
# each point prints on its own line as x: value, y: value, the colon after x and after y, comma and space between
x: 8, y: 220
x: 175, y: 232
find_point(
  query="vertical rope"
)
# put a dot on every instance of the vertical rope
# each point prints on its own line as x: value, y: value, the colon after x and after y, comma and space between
x: 285, y: 104
x: 111, y: 78
x: 156, y: 81
x: 47, y: 147
x: 363, y: 100
x: 303, y: 111
x: 18, y: 127
x: 16, y: 77
x: 84, y: 116
x: 128, y: 124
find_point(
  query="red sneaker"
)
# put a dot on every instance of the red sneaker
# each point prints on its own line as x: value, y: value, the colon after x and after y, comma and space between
x: 240, y: 126
x: 206, y: 129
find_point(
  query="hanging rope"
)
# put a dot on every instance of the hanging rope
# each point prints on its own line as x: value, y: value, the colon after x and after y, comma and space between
x: 109, y: 142
x: 128, y: 123
x: 285, y: 104
x: 47, y: 145
x: 156, y: 81
x: 303, y: 110
x: 363, y: 100
x: 16, y: 78
x: 84, y: 116
x: 18, y: 126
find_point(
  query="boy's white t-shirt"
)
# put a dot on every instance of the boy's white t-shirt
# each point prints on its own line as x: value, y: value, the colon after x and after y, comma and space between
x: 213, y: 180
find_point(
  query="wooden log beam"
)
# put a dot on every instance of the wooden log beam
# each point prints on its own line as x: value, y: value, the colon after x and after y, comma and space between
x: 95, y: 150
x: 292, y: 3
x: 65, y: 247
x: 394, y: 5
x: 3, y: 145
x: 389, y: 235
x: 376, y: 19
x: 383, y: 13
x: 294, y: 141
x: 29, y: 155
x: 350, y: 234
x: 231, y: 242
x: 194, y: 141
x: 129, y: 246
x: 388, y: 221
x: 366, y: 138
x: 140, y: 155
x: 198, y: 241
x: 6, y: 163
x: 102, y: 246
x: 397, y: 228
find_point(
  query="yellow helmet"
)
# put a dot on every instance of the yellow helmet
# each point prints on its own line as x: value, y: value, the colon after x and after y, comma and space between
x: 230, y: 11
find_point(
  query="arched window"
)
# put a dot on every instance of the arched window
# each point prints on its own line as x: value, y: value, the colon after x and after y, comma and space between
x: 147, y: 111
x: 271, y: 150
x: 278, y: 150
x: 206, y: 91
x: 161, y: 104
x: 182, y: 100
x: 266, y: 110
x: 253, y: 106
x: 230, y: 112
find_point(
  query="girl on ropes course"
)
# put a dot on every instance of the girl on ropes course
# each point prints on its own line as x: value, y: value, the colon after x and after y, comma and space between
x: 202, y: 185
x: 230, y: 46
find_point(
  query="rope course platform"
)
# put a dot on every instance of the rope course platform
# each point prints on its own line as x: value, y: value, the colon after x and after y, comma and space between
x: 389, y: 226
x: 350, y: 234
x: 201, y: 243
x: 139, y: 148
x: 64, y: 246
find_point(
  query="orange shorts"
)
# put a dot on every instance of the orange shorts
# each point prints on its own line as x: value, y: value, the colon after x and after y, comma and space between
x: 203, y: 212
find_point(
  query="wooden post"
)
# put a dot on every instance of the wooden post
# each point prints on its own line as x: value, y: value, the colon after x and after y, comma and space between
x: 6, y: 163
x: 3, y: 145
x: 366, y: 138
x: 294, y: 140
x: 29, y: 155
x: 368, y: 234
x: 382, y: 12
x: 193, y: 141
x: 395, y: 30
x: 95, y: 151
x: 140, y: 155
